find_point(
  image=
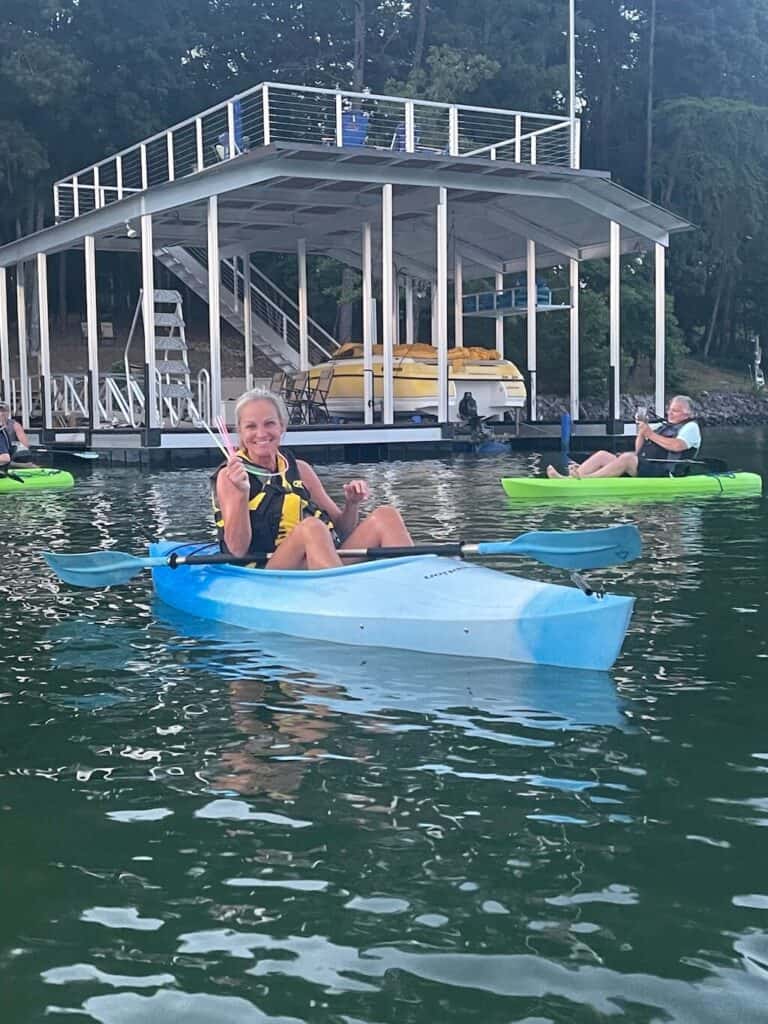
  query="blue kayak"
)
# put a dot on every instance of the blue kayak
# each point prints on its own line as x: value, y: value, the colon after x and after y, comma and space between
x: 419, y: 603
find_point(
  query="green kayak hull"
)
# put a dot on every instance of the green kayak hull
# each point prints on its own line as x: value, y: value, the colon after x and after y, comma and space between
x: 21, y: 481
x: 741, y: 485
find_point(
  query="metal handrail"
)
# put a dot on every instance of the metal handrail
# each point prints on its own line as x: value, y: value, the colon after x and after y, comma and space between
x: 204, y: 395
x: 266, y: 308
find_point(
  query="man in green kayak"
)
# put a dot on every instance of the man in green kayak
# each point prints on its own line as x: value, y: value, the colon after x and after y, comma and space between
x: 657, y: 447
x: 265, y: 500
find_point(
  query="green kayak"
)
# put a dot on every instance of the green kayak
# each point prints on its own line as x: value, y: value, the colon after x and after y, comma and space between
x: 19, y: 481
x: 738, y: 485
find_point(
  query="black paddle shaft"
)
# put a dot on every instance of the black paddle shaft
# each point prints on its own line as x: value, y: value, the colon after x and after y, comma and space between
x: 451, y: 549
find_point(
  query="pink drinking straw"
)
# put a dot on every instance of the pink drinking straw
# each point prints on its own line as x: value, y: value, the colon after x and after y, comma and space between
x: 224, y: 434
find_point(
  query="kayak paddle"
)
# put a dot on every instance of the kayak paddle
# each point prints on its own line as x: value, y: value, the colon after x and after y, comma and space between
x: 567, y: 549
x: 66, y: 451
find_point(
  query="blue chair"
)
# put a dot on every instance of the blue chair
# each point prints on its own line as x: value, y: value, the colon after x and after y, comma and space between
x: 354, y: 127
x: 241, y: 140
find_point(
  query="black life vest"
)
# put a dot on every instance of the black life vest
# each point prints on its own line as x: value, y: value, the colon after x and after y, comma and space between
x: 277, y: 502
x: 8, y: 430
x: 653, y: 451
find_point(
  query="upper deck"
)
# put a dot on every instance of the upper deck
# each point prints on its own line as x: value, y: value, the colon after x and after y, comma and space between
x: 275, y: 112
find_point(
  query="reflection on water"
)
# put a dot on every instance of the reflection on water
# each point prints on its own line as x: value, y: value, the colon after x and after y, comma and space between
x: 204, y: 825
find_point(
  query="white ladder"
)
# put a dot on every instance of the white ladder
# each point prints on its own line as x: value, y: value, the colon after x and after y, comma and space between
x: 174, y: 386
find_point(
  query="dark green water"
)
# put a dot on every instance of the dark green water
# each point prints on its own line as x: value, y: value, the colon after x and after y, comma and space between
x: 204, y: 827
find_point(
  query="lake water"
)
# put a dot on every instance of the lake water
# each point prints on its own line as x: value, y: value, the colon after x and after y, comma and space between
x: 203, y: 826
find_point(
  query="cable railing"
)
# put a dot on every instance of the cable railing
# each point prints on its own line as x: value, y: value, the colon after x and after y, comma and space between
x: 270, y: 311
x: 276, y: 112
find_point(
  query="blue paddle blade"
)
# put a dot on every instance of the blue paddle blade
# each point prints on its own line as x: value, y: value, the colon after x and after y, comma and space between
x: 99, y: 568
x: 573, y: 549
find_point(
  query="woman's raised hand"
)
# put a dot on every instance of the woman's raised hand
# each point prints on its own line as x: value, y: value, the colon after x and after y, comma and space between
x: 236, y: 475
x: 356, y: 492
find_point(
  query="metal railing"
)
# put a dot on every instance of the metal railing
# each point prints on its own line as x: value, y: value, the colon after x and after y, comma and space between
x: 276, y: 112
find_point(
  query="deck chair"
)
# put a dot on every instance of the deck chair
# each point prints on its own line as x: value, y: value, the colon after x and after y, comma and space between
x: 318, y: 396
x: 277, y: 381
x: 296, y: 397
x: 242, y: 141
x: 354, y: 127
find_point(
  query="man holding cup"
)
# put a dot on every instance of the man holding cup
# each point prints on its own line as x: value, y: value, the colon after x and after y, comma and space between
x: 657, y: 447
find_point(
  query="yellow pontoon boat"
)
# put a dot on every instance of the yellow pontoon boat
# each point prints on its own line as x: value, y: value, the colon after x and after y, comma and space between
x: 496, y: 384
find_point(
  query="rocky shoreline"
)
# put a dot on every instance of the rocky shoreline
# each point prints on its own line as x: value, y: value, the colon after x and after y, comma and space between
x: 713, y: 408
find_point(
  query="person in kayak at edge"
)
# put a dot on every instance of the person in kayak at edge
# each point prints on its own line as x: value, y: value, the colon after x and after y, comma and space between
x: 656, y: 447
x: 14, y: 435
x: 281, y: 506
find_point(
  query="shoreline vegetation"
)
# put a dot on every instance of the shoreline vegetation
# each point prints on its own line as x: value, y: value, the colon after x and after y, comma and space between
x: 713, y: 408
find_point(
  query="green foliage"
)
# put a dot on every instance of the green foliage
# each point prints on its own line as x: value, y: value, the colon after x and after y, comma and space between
x: 80, y: 79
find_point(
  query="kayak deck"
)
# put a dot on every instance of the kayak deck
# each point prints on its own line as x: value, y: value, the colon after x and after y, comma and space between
x: 741, y: 485
x: 420, y: 603
x: 37, y: 478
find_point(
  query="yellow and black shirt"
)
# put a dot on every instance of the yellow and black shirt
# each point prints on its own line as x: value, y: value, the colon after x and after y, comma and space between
x: 277, y: 502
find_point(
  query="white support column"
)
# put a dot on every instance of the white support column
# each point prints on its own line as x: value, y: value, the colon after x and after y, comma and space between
x: 231, y: 130
x: 531, y: 295
x: 199, y: 154
x: 301, y: 253
x: 458, y: 309
x: 339, y: 106
x: 367, y: 268
x: 5, y: 348
x: 92, y: 327
x: 265, y: 115
x: 45, y: 339
x: 151, y: 397
x: 247, y: 321
x: 660, y: 330
x: 214, y: 304
x: 615, y: 320
x: 573, y: 271
x: 21, y: 320
x: 434, y: 316
x: 499, y: 283
x: 386, y: 304
x: 144, y: 167
x: 442, y: 307
x: 409, y: 319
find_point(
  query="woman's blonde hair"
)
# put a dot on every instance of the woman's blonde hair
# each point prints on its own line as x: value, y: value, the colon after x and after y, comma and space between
x: 262, y: 394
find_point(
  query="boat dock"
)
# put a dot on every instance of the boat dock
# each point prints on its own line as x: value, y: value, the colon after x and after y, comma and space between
x: 322, y: 444
x: 415, y: 197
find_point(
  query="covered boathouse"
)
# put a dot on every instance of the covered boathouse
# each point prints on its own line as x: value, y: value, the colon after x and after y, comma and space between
x: 381, y: 184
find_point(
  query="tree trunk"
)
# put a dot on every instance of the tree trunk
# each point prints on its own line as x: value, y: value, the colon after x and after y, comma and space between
x: 358, y: 80
x: 344, y: 316
x: 421, y: 34
x: 649, y: 104
x: 713, y: 317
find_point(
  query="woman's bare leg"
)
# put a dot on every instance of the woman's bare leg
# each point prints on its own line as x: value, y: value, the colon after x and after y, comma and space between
x: 308, y: 546
x: 383, y: 528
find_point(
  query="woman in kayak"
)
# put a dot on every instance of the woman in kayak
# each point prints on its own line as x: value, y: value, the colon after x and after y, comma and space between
x: 267, y: 501
x: 655, y: 447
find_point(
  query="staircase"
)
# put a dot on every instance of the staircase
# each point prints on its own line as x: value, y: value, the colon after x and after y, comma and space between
x: 274, y: 316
